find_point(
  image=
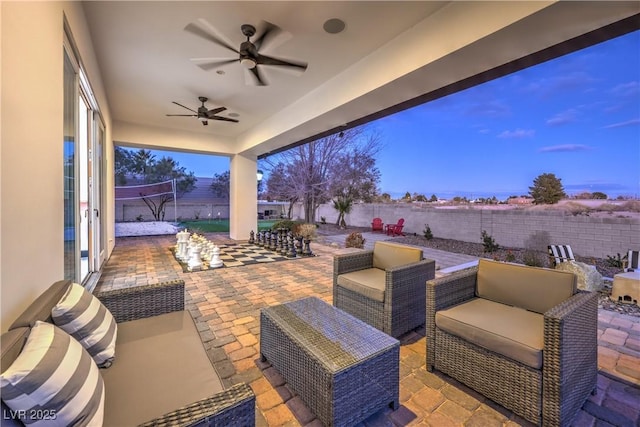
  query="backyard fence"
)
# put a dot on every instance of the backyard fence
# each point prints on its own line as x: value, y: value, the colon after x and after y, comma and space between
x: 588, y: 236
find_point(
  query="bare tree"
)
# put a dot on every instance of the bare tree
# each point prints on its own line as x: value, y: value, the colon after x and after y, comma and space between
x: 340, y: 165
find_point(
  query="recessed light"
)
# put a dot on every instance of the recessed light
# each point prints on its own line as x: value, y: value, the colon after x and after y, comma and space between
x: 334, y: 26
x: 220, y: 72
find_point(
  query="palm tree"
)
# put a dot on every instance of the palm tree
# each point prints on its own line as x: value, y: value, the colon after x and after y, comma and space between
x: 343, y: 205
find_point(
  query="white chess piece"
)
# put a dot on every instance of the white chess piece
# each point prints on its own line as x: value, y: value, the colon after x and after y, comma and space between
x: 215, y: 258
x: 194, y: 263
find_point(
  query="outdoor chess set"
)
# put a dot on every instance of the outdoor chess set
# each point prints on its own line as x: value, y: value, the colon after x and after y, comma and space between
x: 195, y: 252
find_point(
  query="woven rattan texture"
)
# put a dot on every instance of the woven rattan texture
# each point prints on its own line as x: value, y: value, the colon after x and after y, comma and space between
x: 551, y: 396
x: 232, y: 407
x: 342, y: 368
x: 403, y: 308
x: 138, y: 302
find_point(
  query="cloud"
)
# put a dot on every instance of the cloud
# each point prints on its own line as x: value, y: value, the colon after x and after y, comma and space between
x: 553, y: 86
x: 492, y: 109
x: 564, y: 148
x: 517, y: 134
x: 622, y: 124
x: 563, y: 118
x: 626, y: 89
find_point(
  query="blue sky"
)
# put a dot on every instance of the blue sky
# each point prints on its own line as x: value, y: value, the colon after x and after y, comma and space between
x: 577, y: 117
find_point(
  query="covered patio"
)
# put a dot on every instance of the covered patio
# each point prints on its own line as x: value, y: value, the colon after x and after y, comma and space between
x: 225, y: 304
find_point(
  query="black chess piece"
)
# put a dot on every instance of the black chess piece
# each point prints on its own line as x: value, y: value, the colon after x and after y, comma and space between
x: 252, y: 237
x: 273, y: 240
x: 307, y: 249
x: 292, y: 246
x: 299, y: 244
x: 285, y: 243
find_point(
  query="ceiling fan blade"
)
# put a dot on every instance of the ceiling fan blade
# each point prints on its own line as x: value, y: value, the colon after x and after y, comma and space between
x: 269, y: 33
x: 224, y: 119
x: 271, y: 37
x: 205, y: 123
x: 215, y: 111
x: 185, y: 107
x: 182, y: 115
x: 268, y: 60
x: 215, y: 63
x: 194, y: 29
x: 254, y: 77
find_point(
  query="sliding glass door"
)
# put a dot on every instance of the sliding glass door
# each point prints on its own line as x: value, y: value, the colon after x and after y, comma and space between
x: 84, y: 134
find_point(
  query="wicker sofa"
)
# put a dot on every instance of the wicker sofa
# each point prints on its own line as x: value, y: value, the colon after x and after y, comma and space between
x: 161, y: 374
x: 522, y: 336
x: 384, y: 287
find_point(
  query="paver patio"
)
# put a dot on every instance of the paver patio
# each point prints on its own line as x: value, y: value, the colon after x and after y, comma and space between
x: 226, y: 304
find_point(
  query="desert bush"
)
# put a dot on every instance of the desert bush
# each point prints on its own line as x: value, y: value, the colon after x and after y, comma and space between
x: 488, y: 242
x: 308, y: 231
x: 354, y: 240
x: 532, y: 258
x: 427, y: 232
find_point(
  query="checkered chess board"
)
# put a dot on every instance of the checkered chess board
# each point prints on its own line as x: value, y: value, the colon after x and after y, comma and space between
x: 240, y: 255
x: 246, y: 254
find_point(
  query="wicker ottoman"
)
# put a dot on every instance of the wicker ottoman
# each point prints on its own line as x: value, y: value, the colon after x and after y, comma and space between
x: 342, y: 368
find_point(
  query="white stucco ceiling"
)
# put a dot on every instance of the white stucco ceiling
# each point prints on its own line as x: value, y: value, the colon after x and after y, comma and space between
x: 389, y: 53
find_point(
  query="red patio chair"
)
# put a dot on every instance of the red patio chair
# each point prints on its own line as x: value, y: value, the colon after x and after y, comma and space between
x: 395, y: 229
x: 376, y: 224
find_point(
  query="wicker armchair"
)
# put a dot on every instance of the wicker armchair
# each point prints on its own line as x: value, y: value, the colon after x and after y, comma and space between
x: 549, y: 395
x: 384, y: 287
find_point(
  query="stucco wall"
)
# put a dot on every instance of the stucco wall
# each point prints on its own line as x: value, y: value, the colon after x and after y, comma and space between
x: 587, y: 235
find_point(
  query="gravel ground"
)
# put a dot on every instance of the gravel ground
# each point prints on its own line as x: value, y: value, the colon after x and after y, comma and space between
x: 517, y: 255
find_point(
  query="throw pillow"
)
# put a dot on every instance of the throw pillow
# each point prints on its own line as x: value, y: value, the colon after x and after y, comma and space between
x: 53, y: 381
x: 85, y: 318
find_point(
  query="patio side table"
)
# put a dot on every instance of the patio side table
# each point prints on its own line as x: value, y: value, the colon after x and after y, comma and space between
x: 343, y: 369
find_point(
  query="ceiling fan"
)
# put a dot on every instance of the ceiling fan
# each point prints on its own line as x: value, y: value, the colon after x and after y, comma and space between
x: 248, y: 53
x: 204, y: 114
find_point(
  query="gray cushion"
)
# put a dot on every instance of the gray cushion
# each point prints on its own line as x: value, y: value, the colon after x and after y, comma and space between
x: 40, y: 308
x: 531, y: 288
x: 369, y: 282
x: 510, y: 331
x: 84, y: 317
x: 388, y: 255
x: 54, y: 378
x: 161, y: 366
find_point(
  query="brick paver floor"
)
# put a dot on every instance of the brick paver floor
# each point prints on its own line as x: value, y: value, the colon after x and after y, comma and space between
x: 225, y: 304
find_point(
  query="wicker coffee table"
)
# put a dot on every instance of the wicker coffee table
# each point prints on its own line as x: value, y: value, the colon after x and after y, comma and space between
x: 342, y: 368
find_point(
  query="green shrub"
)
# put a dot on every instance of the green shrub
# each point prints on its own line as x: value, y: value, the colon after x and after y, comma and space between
x: 284, y: 223
x: 427, y: 232
x: 488, y: 242
x: 616, y: 261
x: 510, y: 257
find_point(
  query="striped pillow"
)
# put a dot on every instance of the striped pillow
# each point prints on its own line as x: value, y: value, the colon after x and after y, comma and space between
x: 53, y: 381
x: 85, y: 318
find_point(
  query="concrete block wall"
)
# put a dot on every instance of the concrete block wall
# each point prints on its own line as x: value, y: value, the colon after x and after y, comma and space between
x: 588, y: 236
x: 130, y: 211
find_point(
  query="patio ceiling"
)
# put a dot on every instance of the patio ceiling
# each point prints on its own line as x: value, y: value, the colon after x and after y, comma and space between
x: 391, y: 55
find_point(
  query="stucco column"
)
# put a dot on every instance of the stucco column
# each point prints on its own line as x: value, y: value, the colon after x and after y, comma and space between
x: 243, y: 197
